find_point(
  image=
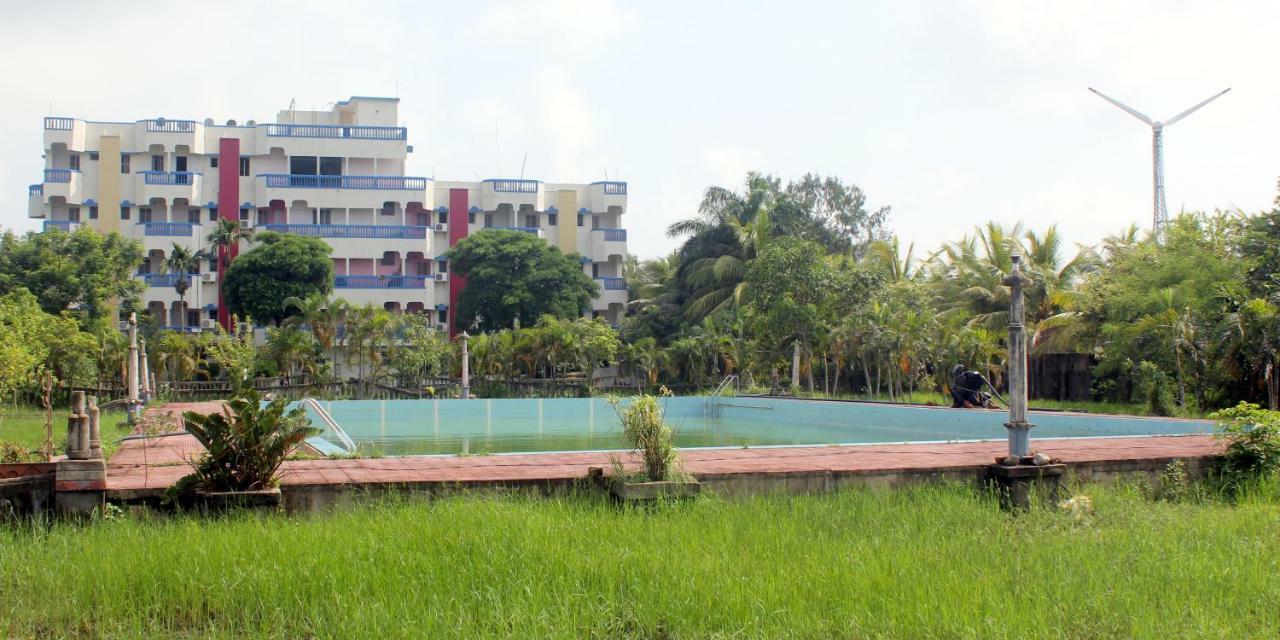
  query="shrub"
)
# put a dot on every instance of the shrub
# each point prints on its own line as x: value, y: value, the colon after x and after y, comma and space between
x: 1152, y: 388
x: 1253, y: 440
x: 646, y: 432
x: 12, y: 452
x: 245, y: 443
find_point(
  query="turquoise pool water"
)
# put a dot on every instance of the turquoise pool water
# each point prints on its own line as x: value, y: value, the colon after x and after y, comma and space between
x: 416, y: 427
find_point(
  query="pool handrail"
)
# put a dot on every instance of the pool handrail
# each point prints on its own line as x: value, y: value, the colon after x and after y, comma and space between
x: 731, y: 379
x: 343, y: 439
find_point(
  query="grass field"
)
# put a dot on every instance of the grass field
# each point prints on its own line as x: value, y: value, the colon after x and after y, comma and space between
x: 25, y: 427
x: 938, y: 562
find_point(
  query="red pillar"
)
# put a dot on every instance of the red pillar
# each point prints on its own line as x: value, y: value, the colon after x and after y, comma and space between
x: 228, y: 209
x: 458, y: 226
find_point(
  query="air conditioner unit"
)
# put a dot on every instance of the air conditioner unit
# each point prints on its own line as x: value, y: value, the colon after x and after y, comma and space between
x: 247, y: 223
x: 208, y: 323
x: 440, y: 326
x: 441, y: 277
x: 209, y: 278
x: 440, y: 226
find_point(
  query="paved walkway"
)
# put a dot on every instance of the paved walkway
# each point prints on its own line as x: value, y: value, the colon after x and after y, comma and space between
x: 146, y: 465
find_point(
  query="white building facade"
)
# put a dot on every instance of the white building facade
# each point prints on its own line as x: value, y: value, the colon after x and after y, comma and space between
x: 338, y: 175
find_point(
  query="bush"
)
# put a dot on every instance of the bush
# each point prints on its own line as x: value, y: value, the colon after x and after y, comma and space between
x: 1152, y: 388
x: 246, y: 443
x: 646, y: 432
x: 1253, y: 441
x: 12, y: 452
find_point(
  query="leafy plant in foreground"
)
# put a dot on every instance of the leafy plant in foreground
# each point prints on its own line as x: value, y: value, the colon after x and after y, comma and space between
x: 645, y: 430
x: 1253, y: 440
x: 245, y: 443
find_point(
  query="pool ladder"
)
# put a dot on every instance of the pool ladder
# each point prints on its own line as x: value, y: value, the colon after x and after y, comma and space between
x: 710, y: 406
x: 343, y: 439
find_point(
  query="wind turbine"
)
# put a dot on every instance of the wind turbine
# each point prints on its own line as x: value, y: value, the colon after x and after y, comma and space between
x: 1161, y: 216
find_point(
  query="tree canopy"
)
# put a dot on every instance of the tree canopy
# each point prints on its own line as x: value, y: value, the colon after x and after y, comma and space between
x: 515, y: 276
x: 278, y: 267
x: 83, y: 272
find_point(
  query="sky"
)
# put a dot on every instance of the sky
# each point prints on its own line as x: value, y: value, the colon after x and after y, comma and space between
x: 952, y: 113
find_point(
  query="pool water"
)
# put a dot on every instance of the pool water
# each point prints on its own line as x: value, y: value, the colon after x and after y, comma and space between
x: 420, y: 427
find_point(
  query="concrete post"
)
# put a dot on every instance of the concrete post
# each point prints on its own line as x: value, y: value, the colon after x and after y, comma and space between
x: 1019, y: 428
x: 95, y: 433
x: 795, y: 365
x: 77, y: 428
x: 80, y: 480
x: 145, y: 369
x: 466, y: 369
x: 131, y: 366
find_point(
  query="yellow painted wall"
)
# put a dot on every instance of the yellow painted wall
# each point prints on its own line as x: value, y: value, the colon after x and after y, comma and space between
x: 567, y: 203
x: 109, y: 184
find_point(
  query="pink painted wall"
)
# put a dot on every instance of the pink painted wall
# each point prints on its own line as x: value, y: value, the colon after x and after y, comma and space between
x: 339, y: 266
x: 228, y: 209
x: 458, y: 204
x: 360, y: 267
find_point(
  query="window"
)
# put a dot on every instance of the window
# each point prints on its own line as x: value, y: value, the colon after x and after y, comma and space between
x: 244, y: 166
x: 93, y: 156
x: 595, y: 270
x: 213, y: 314
x: 580, y: 217
x: 93, y: 213
x: 389, y: 259
x: 302, y: 165
x: 442, y: 266
x: 73, y: 161
x: 322, y: 216
x: 213, y: 214
x: 213, y: 265
x: 213, y: 162
x: 551, y: 219
x: 73, y: 214
x: 330, y: 166
x: 388, y: 208
x: 244, y: 214
x: 124, y: 163
x: 180, y: 163
x: 193, y: 317
x: 442, y: 217
x: 471, y: 217
x: 595, y: 222
x: 488, y: 220
x: 531, y: 220
x: 157, y: 163
x: 193, y: 216
x: 124, y: 213
x: 144, y: 214
x: 443, y: 317
x: 145, y: 267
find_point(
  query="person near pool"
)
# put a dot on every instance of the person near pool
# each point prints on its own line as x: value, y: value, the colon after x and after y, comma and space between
x: 966, y: 389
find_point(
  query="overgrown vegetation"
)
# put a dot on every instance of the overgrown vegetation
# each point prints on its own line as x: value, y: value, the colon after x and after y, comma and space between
x: 245, y: 443
x: 1252, y: 435
x: 646, y: 432
x: 931, y: 562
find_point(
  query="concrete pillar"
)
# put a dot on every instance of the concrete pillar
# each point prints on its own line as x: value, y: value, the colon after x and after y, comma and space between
x: 466, y: 369
x: 795, y: 365
x: 80, y: 480
x: 145, y: 369
x: 131, y: 370
x: 95, y: 432
x: 1018, y: 426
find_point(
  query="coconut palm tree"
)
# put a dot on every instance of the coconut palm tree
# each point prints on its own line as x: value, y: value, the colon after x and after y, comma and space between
x: 224, y: 238
x: 181, y: 262
x: 1252, y: 340
x: 320, y: 315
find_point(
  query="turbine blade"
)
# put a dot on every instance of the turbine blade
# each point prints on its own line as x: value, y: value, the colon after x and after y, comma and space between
x: 1130, y: 110
x: 1188, y: 111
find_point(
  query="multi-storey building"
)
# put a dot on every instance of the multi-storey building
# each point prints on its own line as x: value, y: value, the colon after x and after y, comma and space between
x: 338, y: 175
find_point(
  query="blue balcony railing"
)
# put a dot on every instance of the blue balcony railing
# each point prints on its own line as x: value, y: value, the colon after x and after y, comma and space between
x: 613, y: 188
x: 350, y: 230
x: 293, y: 181
x: 163, y: 279
x: 59, y: 124
x: 35, y: 190
x: 57, y: 175
x: 168, y: 228
x: 60, y: 225
x: 380, y: 282
x: 350, y: 132
x: 613, y: 284
x: 181, y: 328
x: 170, y: 126
x: 514, y: 186
x: 613, y: 235
x: 169, y: 177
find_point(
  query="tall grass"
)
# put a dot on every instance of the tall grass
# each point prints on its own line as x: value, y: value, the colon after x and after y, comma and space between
x: 937, y: 562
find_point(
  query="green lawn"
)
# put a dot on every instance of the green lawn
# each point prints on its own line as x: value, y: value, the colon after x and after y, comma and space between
x: 24, y: 426
x: 938, y: 562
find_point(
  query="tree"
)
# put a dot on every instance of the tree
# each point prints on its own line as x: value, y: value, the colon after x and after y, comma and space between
x: 318, y: 314
x: 181, y: 262
x: 421, y: 354
x: 513, y: 275
x: 83, y: 272
x: 225, y: 238
x: 279, y: 267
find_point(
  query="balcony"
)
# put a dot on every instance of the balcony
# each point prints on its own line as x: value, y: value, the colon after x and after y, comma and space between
x: 59, y: 124
x: 169, y: 177
x: 35, y: 201
x: 35, y: 190
x: 58, y: 176
x: 613, y: 292
x: 59, y: 225
x: 531, y: 230
x: 380, y: 282
x: 160, y: 125
x: 495, y: 192
x: 514, y: 186
x: 64, y: 183
x: 612, y: 188
x: 163, y: 279
x: 58, y: 130
x: 292, y: 181
x: 168, y: 229
x: 383, y: 231
x: 613, y: 284
x: 606, y: 195
x: 349, y: 132
x: 168, y: 185
x: 607, y: 242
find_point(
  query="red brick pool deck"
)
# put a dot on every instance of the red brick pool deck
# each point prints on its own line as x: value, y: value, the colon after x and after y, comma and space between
x: 146, y: 466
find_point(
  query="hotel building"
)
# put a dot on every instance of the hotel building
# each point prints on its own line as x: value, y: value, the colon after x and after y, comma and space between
x: 338, y: 175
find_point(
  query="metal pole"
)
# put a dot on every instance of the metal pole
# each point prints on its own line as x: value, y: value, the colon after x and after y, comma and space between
x: 466, y: 369
x: 1160, y: 217
x: 1019, y: 428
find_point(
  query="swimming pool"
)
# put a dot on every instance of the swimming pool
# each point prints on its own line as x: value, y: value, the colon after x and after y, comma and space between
x: 422, y: 427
